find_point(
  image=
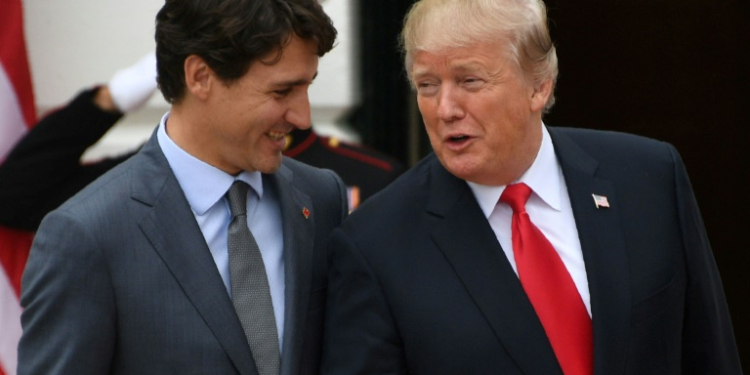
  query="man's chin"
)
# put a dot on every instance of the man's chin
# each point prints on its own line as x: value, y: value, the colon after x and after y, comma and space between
x: 270, y: 166
x: 467, y: 170
x: 457, y: 166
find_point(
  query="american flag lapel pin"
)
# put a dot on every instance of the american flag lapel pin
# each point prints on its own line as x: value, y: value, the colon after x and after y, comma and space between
x: 305, y: 212
x: 600, y: 201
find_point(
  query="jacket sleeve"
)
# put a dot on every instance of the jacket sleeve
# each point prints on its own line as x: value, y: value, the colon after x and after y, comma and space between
x: 44, y: 169
x: 360, y: 335
x: 708, y: 341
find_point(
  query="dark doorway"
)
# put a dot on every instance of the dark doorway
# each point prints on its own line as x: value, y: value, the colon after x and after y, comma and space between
x: 677, y: 71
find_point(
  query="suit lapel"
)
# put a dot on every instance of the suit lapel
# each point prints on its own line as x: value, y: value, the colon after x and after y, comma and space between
x: 172, y: 230
x: 604, y: 253
x: 464, y: 235
x: 299, y: 235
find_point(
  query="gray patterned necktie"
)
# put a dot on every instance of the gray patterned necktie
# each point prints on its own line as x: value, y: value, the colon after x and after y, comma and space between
x: 250, y: 292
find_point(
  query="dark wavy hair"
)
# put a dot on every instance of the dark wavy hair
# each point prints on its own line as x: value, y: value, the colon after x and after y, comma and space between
x: 231, y: 34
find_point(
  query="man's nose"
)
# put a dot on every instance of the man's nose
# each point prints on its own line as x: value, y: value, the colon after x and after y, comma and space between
x: 449, y: 103
x: 298, y: 113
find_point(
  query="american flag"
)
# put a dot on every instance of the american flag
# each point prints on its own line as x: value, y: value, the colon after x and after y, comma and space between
x: 17, y: 114
x: 600, y: 201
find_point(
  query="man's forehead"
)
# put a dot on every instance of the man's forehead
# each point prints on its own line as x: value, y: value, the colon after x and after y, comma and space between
x: 457, y: 59
x: 295, y: 64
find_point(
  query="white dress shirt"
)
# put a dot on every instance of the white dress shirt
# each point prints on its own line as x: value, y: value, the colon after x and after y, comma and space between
x: 548, y: 208
x: 205, y: 187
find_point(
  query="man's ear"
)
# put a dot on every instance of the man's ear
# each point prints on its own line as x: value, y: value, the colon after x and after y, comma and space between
x: 541, y: 94
x: 198, y: 76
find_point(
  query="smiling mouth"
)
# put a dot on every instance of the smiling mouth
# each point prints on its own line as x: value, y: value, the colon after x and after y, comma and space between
x: 276, y: 136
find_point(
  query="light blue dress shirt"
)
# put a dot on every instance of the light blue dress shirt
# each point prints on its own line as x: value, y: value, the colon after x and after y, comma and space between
x: 205, y: 187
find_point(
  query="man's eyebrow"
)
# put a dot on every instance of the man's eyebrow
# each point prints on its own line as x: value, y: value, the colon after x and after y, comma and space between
x: 468, y: 66
x: 296, y: 82
x: 460, y: 66
x: 420, y: 72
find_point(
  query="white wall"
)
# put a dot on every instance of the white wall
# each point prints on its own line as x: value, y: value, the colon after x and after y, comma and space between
x: 74, y: 44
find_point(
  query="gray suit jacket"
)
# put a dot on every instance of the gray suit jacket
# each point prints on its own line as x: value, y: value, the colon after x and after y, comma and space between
x: 120, y: 279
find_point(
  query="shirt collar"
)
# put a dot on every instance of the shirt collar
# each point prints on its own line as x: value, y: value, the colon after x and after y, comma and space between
x: 212, y: 183
x: 544, y: 177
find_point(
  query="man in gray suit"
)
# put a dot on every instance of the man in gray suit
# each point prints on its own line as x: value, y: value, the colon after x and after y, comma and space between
x: 142, y: 272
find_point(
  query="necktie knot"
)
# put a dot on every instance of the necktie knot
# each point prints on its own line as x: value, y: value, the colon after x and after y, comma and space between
x: 237, y: 197
x: 515, y: 196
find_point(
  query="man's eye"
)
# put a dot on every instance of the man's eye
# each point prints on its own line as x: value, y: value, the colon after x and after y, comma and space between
x: 472, y: 83
x: 426, y: 87
x: 283, y: 92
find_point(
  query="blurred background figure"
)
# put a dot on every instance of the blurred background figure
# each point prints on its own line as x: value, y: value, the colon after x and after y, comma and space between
x: 364, y: 170
x: 44, y: 169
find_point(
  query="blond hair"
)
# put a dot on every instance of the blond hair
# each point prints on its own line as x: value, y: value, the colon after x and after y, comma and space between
x: 518, y: 25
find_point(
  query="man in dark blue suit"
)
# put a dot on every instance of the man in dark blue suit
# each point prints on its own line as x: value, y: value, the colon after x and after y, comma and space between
x: 518, y: 248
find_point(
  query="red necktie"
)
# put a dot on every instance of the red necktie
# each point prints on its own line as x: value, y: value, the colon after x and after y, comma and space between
x: 550, y: 288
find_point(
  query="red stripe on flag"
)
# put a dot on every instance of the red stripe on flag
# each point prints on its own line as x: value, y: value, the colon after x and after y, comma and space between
x: 15, y: 249
x: 14, y: 245
x: 13, y: 56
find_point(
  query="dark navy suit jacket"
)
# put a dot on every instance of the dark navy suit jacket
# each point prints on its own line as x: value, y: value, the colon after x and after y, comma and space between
x: 419, y: 283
